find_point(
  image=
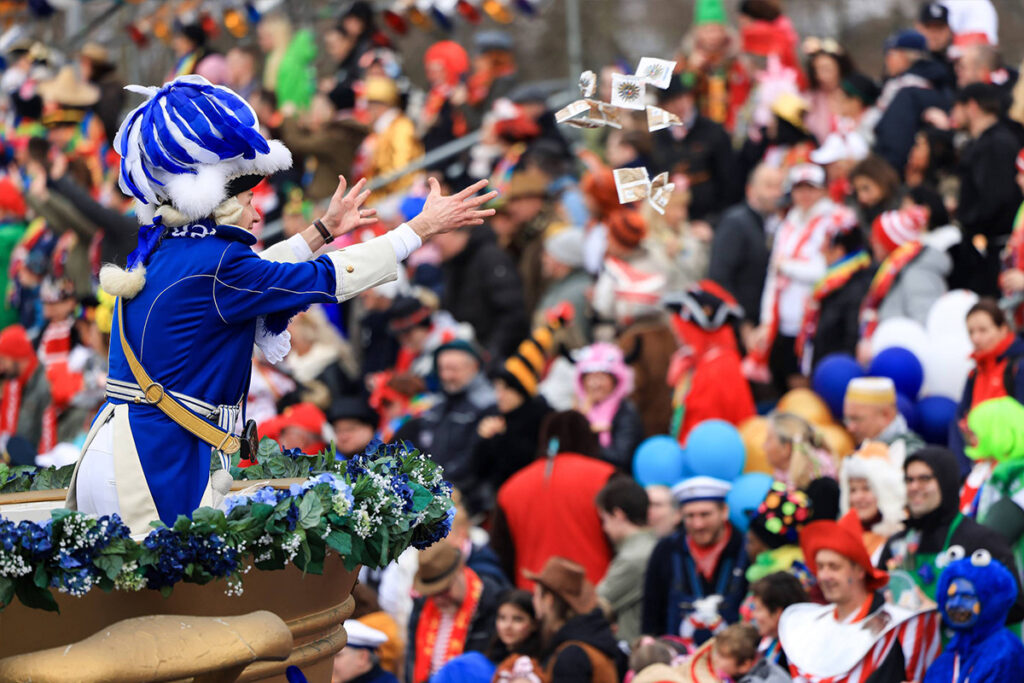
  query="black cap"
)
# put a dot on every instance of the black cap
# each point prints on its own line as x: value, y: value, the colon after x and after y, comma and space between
x: 194, y: 32
x: 237, y: 186
x: 406, y: 312
x: 353, y: 408
x: 934, y: 13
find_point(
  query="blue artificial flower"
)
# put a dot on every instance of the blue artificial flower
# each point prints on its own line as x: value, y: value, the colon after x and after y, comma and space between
x: 425, y: 536
x: 293, y: 453
x: 267, y: 495
x: 400, y: 485
x: 68, y: 561
x: 35, y: 538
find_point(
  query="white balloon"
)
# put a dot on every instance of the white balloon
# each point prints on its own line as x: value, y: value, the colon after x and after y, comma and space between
x: 947, y: 319
x: 903, y: 332
x: 945, y: 370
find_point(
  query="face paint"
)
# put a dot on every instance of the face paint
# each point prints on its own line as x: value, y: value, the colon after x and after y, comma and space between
x: 962, y: 605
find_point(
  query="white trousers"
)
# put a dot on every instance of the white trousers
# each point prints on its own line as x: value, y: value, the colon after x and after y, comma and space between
x: 96, y: 485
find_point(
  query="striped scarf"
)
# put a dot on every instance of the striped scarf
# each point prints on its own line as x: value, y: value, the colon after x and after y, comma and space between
x: 836, y: 277
x: 882, y: 283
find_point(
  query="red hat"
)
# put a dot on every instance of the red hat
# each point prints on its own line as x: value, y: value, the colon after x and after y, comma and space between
x: 627, y: 227
x: 1020, y: 162
x: 10, y: 197
x: 452, y: 55
x: 763, y: 38
x: 893, y: 228
x: 846, y: 538
x: 14, y: 343
x: 303, y: 415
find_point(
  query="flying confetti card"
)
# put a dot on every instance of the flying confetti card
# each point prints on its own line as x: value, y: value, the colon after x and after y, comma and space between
x: 657, y: 72
x: 659, y: 119
x: 588, y: 83
x: 589, y: 114
x: 660, y: 193
x: 628, y: 91
x: 632, y: 184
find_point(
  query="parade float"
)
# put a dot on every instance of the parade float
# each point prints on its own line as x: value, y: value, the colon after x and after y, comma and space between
x: 256, y: 590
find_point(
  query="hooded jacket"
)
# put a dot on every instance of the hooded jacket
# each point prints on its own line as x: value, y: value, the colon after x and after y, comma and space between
x: 934, y: 526
x: 571, y: 663
x: 987, y: 651
x: 923, y: 280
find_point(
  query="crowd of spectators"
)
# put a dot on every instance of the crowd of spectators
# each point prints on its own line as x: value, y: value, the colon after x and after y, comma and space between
x: 532, y: 356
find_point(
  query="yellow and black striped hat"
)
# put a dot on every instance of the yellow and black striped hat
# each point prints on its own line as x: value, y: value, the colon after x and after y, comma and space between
x: 525, y: 368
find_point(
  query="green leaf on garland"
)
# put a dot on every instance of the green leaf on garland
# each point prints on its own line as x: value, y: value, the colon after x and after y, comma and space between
x: 340, y: 542
x: 421, y: 497
x: 310, y: 511
x: 110, y: 564
x: 6, y: 591
x: 41, y: 579
x: 35, y: 597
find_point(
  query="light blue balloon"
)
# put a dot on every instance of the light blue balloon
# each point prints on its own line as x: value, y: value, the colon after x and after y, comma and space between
x: 659, y: 460
x: 715, y: 448
x: 746, y: 495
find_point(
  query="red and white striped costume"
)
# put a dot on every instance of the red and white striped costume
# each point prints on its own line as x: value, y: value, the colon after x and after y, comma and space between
x: 821, y: 649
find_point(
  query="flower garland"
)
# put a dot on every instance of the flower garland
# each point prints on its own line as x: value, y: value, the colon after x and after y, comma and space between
x: 367, y: 509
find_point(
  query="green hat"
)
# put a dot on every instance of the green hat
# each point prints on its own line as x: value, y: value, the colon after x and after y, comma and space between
x: 710, y: 12
x: 998, y: 425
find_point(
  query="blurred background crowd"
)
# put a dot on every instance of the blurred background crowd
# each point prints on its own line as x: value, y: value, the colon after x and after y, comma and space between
x: 823, y: 319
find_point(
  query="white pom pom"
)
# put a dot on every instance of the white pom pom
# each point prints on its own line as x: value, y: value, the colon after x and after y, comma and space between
x: 120, y: 282
x: 221, y: 481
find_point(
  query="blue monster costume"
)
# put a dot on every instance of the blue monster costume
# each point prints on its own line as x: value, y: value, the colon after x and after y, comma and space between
x: 975, y: 594
x: 195, y: 298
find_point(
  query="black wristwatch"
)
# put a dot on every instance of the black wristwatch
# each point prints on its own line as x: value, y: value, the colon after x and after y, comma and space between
x: 324, y: 232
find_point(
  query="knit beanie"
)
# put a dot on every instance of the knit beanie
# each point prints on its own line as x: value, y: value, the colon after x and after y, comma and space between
x: 14, y: 343
x: 894, y: 228
x: 627, y: 227
x: 523, y: 370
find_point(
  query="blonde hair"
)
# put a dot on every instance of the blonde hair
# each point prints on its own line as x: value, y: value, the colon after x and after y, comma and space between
x: 807, y: 445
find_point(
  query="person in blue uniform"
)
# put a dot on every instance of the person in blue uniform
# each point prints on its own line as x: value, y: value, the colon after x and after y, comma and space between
x: 357, y: 662
x: 195, y: 298
x: 696, y: 577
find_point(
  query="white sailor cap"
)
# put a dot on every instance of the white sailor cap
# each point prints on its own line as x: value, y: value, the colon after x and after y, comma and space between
x: 701, y: 488
x: 362, y: 636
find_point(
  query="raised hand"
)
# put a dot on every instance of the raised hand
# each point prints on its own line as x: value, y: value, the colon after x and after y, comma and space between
x: 345, y: 212
x: 446, y: 213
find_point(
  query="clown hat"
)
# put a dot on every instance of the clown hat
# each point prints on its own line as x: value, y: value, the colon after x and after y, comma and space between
x: 846, y: 538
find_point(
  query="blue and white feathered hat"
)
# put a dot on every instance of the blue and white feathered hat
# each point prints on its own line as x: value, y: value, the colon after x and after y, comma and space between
x: 183, y: 145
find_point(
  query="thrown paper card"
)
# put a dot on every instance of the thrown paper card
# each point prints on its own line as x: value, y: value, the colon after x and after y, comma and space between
x: 588, y: 83
x: 628, y: 91
x: 657, y: 72
x: 660, y: 193
x: 658, y: 119
x: 632, y: 184
x: 588, y: 114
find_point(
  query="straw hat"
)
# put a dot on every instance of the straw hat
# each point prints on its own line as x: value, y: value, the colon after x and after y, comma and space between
x: 438, y: 568
x: 67, y: 90
x: 95, y: 53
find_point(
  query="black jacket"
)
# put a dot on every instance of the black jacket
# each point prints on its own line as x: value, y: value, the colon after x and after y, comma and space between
x: 627, y: 433
x: 895, y: 131
x: 838, y: 319
x: 120, y: 231
x: 739, y: 258
x: 481, y: 627
x: 447, y: 430
x: 501, y: 456
x: 483, y: 288
x: 706, y: 157
x: 935, y: 526
x: 572, y: 664
x: 989, y: 195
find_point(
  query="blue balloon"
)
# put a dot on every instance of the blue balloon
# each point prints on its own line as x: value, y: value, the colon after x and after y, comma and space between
x: 830, y: 378
x: 715, y: 448
x: 659, y: 460
x: 902, y: 367
x: 934, y: 415
x: 908, y: 409
x: 747, y: 493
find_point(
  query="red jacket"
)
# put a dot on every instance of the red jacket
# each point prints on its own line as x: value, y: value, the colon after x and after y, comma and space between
x: 556, y: 515
x: 990, y: 372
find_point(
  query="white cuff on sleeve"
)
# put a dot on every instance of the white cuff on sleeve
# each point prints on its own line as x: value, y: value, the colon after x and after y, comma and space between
x: 404, y: 240
x: 300, y: 248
